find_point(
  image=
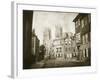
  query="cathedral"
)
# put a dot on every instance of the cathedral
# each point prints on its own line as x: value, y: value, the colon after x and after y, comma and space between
x: 62, y: 47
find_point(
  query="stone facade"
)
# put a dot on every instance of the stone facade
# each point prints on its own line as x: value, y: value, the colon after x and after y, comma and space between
x: 62, y: 47
x: 35, y: 45
x: 47, y: 41
x: 83, y: 35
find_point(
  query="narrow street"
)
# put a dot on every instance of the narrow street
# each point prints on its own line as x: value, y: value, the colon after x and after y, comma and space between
x: 59, y: 63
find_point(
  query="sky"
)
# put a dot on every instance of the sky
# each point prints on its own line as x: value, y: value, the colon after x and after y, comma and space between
x: 43, y: 19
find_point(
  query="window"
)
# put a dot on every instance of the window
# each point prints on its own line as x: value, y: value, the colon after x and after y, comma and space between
x: 78, y: 37
x: 82, y: 23
x: 78, y: 23
x: 83, y: 39
x: 56, y: 55
x: 69, y: 42
x: 85, y: 20
x: 86, y: 38
x: 56, y: 49
x: 60, y: 49
x: 83, y: 53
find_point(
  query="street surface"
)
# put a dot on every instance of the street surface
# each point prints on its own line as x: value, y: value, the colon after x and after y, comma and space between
x: 59, y: 63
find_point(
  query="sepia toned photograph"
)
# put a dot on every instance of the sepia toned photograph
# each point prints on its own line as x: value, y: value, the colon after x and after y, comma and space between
x: 54, y: 39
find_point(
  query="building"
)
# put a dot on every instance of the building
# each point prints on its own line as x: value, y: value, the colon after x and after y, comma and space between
x: 58, y: 48
x: 83, y: 35
x: 27, y: 39
x: 58, y: 43
x: 47, y: 42
x: 69, y: 46
x: 74, y: 47
x: 35, y: 46
x: 58, y: 31
x: 63, y: 47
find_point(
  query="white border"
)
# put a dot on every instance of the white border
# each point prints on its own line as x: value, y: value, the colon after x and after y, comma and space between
x: 17, y: 53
